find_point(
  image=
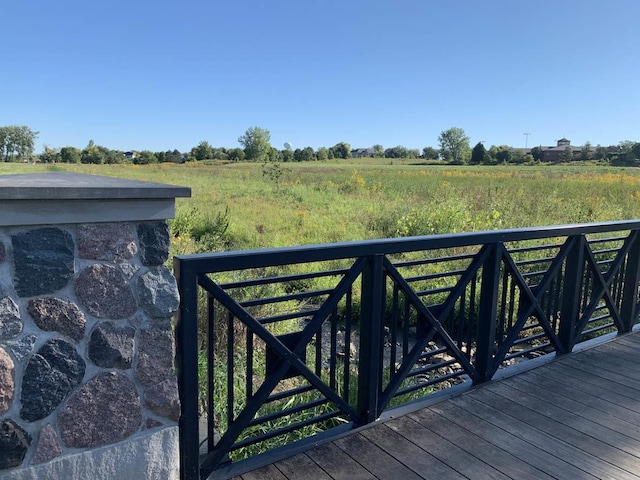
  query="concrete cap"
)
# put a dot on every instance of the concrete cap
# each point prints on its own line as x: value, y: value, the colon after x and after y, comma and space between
x: 78, y: 186
x: 66, y: 197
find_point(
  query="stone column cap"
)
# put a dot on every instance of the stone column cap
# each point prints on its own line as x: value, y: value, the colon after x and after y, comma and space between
x: 78, y: 186
x: 52, y: 198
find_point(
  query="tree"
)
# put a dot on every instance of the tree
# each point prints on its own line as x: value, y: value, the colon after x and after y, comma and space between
x: 378, y: 151
x: 566, y: 155
x: 235, y: 154
x: 145, y: 157
x: 173, y: 156
x: 396, y: 152
x: 50, y: 155
x: 341, y: 150
x: 478, y: 154
x: 536, y: 153
x: 70, y: 155
x: 587, y: 151
x: 454, y: 145
x: 430, y: 153
x: 202, y: 151
x: 17, y: 143
x: 93, y: 154
x: 287, y: 155
x: 256, y: 143
x: 322, y: 154
x: 501, y: 153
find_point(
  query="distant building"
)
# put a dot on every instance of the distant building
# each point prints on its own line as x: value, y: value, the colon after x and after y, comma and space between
x: 363, y: 152
x: 554, y: 154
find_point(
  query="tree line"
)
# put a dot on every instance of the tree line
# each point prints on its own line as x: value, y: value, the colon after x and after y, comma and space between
x: 17, y: 144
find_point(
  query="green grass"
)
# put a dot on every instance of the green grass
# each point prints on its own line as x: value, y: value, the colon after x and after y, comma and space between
x: 318, y: 202
x: 237, y: 206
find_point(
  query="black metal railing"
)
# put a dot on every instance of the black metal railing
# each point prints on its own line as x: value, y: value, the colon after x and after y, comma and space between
x: 282, y: 347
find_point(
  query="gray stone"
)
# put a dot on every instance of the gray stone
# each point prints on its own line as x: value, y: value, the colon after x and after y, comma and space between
x: 129, y: 269
x: 153, y: 455
x: 112, y: 242
x: 162, y: 399
x: 2, y: 252
x: 111, y: 346
x: 10, y: 322
x: 43, y: 261
x: 56, y: 314
x: 48, y: 446
x: 158, y: 292
x: 7, y: 384
x: 154, y: 243
x: 49, y: 377
x: 156, y: 351
x: 23, y: 346
x: 105, y: 410
x: 14, y: 443
x: 103, y: 291
x: 150, y: 423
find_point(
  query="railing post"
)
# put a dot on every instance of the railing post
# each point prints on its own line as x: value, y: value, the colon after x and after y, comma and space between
x: 629, y: 307
x: 487, y: 314
x: 571, y: 288
x: 187, y: 367
x: 372, y: 302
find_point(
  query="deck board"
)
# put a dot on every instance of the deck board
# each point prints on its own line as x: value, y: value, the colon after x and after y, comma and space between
x: 575, y: 418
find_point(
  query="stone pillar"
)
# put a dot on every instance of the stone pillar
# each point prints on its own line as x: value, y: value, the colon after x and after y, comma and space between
x: 87, y: 380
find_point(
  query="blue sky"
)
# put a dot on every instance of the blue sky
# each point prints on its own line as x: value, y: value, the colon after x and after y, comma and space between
x: 158, y: 75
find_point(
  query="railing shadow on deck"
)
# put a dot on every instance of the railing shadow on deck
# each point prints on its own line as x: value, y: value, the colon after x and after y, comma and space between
x: 281, y: 348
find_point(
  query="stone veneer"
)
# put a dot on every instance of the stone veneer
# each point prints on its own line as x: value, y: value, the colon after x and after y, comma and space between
x: 86, y: 336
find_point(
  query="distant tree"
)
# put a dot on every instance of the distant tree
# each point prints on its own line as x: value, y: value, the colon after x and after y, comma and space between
x: 478, y: 154
x: 297, y: 155
x: 413, y: 153
x: 430, y: 153
x: 341, y: 150
x: 378, y: 150
x: 256, y: 143
x: 235, y: 154
x: 322, y: 154
x: 94, y: 154
x: 501, y: 153
x: 287, y: 155
x: 536, y: 153
x: 50, y: 155
x: 519, y: 156
x: 587, y: 152
x: 70, y: 155
x: 202, y: 151
x: 145, y: 157
x: 113, y: 156
x: 17, y: 143
x: 396, y: 152
x: 566, y: 155
x: 275, y: 155
x: 220, y: 153
x: 600, y: 152
x: 173, y: 156
x: 308, y: 154
x: 454, y: 145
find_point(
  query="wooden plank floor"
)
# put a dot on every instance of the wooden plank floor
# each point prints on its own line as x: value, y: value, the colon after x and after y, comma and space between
x: 575, y: 418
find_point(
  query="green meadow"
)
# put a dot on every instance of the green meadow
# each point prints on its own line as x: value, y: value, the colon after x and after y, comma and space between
x: 248, y: 205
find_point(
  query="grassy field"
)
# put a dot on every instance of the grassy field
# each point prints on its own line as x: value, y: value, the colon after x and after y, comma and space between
x: 319, y: 202
x: 246, y: 206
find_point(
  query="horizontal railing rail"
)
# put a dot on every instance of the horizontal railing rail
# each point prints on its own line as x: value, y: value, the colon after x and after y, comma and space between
x: 283, y: 346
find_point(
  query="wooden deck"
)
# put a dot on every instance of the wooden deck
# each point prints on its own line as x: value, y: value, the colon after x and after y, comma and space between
x: 574, y: 418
